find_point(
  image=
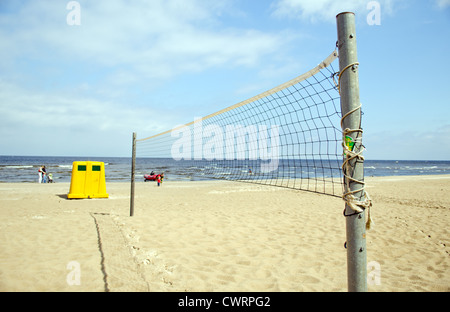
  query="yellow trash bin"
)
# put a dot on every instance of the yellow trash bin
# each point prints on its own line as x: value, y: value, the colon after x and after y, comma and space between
x: 88, y: 180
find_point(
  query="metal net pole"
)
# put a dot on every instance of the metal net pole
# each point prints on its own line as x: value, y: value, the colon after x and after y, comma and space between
x: 353, y: 163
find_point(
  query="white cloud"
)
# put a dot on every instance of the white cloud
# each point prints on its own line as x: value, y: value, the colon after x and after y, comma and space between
x: 65, y: 81
x: 27, y: 118
x: 443, y: 4
x: 156, y: 39
x: 57, y: 111
x: 409, y: 145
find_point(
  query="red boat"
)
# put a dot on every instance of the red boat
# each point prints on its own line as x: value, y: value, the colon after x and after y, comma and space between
x: 152, y: 177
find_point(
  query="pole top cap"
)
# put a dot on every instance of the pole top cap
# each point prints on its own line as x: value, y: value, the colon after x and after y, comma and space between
x: 345, y: 13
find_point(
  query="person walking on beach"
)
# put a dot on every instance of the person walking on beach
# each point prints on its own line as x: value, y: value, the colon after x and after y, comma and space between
x: 44, y: 175
x: 159, y: 180
x: 40, y: 174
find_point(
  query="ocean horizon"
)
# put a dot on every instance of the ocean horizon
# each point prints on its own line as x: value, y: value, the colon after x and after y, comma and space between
x: 18, y: 169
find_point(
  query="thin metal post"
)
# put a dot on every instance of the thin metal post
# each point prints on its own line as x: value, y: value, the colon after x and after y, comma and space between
x: 133, y: 165
x: 351, y: 126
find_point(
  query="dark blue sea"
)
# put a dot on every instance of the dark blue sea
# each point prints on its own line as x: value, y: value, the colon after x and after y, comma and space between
x: 118, y: 169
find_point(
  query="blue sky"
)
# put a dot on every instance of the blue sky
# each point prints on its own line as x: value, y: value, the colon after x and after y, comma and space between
x: 146, y: 66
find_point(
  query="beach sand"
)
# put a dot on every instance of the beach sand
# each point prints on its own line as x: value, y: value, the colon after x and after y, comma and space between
x: 220, y: 236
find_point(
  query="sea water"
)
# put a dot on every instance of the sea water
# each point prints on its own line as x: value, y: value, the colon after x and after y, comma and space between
x: 118, y: 169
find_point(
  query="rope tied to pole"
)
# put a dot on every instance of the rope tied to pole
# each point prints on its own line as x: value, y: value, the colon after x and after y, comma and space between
x: 339, y: 74
x: 357, y: 205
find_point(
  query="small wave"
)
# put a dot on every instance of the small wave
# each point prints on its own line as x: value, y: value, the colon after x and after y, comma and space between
x: 426, y: 168
x: 17, y: 167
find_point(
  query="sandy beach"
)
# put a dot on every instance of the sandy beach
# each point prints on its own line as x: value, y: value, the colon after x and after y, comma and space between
x: 220, y: 236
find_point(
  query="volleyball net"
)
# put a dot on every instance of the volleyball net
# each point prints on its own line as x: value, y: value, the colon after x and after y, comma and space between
x: 289, y: 136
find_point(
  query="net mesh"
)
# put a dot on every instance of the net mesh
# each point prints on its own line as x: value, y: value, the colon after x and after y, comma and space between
x: 289, y: 136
